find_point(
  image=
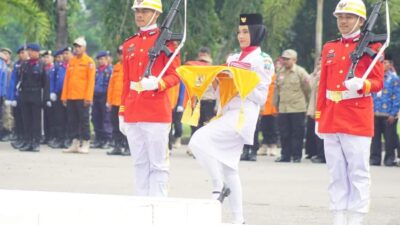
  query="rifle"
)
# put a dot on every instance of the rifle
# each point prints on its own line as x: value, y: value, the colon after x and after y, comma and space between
x: 165, y: 36
x: 367, y: 37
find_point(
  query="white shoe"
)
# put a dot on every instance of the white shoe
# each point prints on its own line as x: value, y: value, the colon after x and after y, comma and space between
x: 339, y: 218
x: 263, y: 150
x: 84, y: 149
x: 273, y: 150
x: 355, y: 218
x: 74, y: 148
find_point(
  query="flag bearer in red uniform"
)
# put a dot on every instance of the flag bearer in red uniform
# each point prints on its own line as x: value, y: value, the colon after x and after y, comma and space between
x: 146, y: 114
x: 345, y: 116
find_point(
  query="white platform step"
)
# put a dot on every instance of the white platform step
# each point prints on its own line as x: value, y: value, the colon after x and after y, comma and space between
x: 54, y: 208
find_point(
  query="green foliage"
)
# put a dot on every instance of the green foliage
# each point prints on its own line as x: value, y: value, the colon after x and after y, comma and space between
x: 34, y: 22
x: 279, y: 18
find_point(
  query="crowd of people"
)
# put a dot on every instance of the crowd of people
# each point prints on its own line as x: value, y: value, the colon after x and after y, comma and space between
x: 325, y: 113
x: 46, y: 98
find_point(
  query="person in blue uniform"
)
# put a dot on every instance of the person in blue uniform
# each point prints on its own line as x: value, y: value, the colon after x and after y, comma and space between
x: 101, y: 116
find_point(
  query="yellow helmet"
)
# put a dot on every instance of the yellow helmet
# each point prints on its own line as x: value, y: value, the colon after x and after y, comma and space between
x: 356, y: 7
x: 148, y: 4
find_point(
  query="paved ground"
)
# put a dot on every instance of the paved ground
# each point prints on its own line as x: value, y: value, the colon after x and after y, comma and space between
x: 274, y: 194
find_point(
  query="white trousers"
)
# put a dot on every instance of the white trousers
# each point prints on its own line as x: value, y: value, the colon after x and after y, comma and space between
x: 148, y: 143
x: 347, y: 158
x: 217, y: 149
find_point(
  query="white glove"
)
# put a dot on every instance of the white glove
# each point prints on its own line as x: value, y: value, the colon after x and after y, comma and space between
x: 179, y: 108
x: 7, y: 102
x: 316, y: 131
x: 149, y: 83
x: 48, y: 103
x: 53, y: 97
x: 354, y: 84
x: 13, y: 103
x: 122, y: 127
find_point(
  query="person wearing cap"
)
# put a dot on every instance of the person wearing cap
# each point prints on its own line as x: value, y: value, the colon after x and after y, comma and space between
x: 292, y: 90
x: 101, y: 117
x: 60, y: 111
x: 344, y: 115
x: 217, y: 146
x: 13, y: 98
x: 114, y: 94
x: 77, y: 96
x: 34, y: 91
x: 8, y: 53
x: 48, y: 118
x: 386, y: 108
x: 145, y: 113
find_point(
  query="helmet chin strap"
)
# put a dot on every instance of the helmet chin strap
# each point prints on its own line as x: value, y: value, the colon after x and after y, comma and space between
x: 352, y: 34
x: 148, y: 26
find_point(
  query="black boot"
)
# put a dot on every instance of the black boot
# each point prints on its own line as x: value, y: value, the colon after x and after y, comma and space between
x: 96, y: 144
x: 225, y: 192
x: 35, y: 146
x: 17, y: 144
x: 26, y: 147
x: 117, y: 149
x: 245, y: 154
x: 253, y: 155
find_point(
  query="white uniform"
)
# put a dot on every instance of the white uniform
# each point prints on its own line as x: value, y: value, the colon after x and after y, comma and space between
x: 218, y: 145
x: 219, y: 136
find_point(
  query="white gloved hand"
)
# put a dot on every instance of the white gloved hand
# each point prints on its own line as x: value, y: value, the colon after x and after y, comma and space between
x: 122, y: 127
x: 179, y: 108
x: 13, y: 103
x: 354, y: 84
x: 149, y: 83
x: 53, y: 97
x: 48, y: 103
x: 316, y: 131
x: 7, y: 102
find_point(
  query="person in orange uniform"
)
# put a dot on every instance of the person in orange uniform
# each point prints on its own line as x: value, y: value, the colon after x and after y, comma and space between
x: 77, y: 95
x: 114, y: 94
x: 345, y: 116
x: 146, y: 113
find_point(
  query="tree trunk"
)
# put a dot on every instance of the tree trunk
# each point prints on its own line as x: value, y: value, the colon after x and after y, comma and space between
x: 62, y: 24
x: 318, y: 30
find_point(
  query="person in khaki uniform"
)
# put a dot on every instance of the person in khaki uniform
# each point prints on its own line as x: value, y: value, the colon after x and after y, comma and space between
x: 292, y: 89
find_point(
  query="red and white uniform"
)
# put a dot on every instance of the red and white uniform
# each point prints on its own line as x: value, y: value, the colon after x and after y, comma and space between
x: 147, y: 114
x: 345, y: 121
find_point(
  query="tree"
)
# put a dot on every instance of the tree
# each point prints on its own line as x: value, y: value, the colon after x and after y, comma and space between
x: 62, y: 23
x: 34, y: 22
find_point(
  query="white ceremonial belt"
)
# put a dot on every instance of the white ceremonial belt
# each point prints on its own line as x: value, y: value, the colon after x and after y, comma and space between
x: 337, y: 96
x: 136, y: 86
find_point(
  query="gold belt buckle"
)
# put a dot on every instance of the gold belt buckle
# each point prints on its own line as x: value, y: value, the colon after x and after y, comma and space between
x: 336, y: 96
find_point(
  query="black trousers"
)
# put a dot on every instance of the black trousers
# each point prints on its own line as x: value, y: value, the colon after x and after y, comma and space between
x: 389, y: 132
x: 18, y: 120
x: 291, y: 129
x: 206, y: 113
x: 32, y: 120
x: 176, y: 127
x: 116, y: 133
x: 256, y: 144
x: 269, y: 129
x: 78, y: 120
x: 60, y: 119
x: 48, y: 122
x: 101, y: 118
x: 314, y: 145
